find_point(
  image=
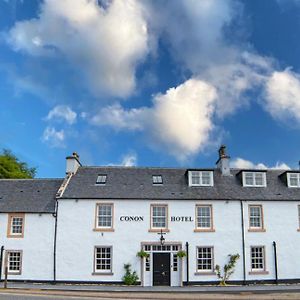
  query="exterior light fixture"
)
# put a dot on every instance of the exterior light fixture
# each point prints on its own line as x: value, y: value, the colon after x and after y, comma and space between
x: 162, y: 239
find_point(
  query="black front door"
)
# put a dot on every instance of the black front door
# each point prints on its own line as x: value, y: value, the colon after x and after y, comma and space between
x: 161, y: 268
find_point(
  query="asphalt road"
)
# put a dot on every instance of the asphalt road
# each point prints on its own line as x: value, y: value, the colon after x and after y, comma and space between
x: 142, y: 296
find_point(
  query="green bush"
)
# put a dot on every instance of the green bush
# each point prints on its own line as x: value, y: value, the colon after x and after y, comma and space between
x: 228, y: 269
x: 130, y: 278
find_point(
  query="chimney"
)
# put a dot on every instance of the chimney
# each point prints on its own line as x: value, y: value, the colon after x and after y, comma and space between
x: 223, y: 161
x: 73, y: 163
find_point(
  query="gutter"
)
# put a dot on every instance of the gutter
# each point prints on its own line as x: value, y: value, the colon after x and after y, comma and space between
x: 54, y: 243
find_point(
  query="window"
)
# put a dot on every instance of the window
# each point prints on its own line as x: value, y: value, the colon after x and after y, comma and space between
x: 159, y: 214
x: 254, y: 179
x: 175, y: 262
x: 15, y: 227
x: 256, y: 218
x: 101, y: 179
x: 147, y: 264
x: 257, y: 258
x: 14, y: 262
x: 201, y: 178
x: 298, y: 217
x: 204, y: 218
x: 293, y: 179
x: 103, y: 259
x: 205, y: 259
x: 104, y: 216
x: 157, y: 179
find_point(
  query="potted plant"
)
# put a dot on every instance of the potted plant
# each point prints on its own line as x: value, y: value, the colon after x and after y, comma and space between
x: 142, y: 254
x: 181, y: 253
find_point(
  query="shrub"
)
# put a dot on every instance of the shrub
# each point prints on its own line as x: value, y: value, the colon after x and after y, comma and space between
x: 130, y: 278
x: 228, y: 269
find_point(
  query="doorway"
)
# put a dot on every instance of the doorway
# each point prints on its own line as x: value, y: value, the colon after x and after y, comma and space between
x: 161, y: 269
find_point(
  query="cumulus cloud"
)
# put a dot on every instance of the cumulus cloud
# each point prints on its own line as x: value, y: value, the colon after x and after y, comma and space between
x: 62, y: 113
x: 282, y: 97
x: 55, y: 138
x: 105, y: 43
x: 181, y: 120
x: 241, y: 163
x: 129, y: 160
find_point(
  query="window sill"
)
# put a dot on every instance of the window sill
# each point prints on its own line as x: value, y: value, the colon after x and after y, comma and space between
x: 15, y: 236
x: 256, y: 230
x: 14, y: 273
x: 159, y: 230
x: 204, y: 230
x: 258, y: 273
x: 103, y: 273
x: 104, y: 229
x: 205, y: 273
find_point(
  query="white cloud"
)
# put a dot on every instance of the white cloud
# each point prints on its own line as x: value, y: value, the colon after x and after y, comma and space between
x: 282, y: 95
x: 129, y: 160
x: 62, y: 112
x: 181, y: 120
x: 241, y: 163
x: 106, y: 44
x: 55, y: 138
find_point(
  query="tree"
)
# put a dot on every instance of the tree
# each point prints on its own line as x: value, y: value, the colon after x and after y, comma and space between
x: 228, y: 269
x: 12, y: 167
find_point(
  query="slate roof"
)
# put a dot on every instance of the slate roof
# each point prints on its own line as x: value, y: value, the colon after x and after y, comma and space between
x: 136, y: 183
x: 28, y: 195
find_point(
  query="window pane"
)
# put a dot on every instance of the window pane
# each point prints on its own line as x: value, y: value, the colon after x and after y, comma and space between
x: 14, y: 261
x: 257, y: 258
x: 205, y: 178
x: 294, y: 179
x: 255, y: 216
x: 157, y: 179
x: 16, y: 225
x: 196, y: 178
x: 101, y: 179
x: 103, y: 259
x: 204, y: 259
x: 159, y: 216
x: 249, y: 178
x: 105, y: 215
x: 259, y: 179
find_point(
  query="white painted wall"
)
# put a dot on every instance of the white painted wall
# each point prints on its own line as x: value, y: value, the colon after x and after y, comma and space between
x: 76, y: 238
x: 37, y: 246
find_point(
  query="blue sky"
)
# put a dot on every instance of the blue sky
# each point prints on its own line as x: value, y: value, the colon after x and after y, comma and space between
x: 150, y: 83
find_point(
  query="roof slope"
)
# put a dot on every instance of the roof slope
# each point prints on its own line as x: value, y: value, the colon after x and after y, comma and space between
x: 28, y: 195
x: 136, y: 183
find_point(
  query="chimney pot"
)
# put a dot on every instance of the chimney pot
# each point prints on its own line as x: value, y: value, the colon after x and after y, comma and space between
x: 223, y: 161
x: 73, y: 163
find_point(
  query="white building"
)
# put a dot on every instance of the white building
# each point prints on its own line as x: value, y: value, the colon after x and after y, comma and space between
x: 105, y: 215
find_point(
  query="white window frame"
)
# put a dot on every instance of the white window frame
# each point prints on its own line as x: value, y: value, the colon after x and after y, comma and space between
x: 261, y: 218
x: 97, y: 217
x: 263, y: 258
x: 205, y: 258
x: 157, y: 228
x: 8, y: 262
x: 200, y: 174
x: 289, y: 180
x: 101, y: 179
x: 264, y: 179
x: 104, y: 259
x: 157, y: 180
x: 207, y: 228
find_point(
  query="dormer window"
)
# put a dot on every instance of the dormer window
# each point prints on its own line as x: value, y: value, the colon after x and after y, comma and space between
x: 293, y: 179
x: 201, y: 178
x: 157, y: 179
x: 254, y: 179
x: 101, y: 179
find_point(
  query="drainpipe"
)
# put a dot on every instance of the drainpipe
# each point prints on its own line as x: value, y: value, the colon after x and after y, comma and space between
x: 187, y: 262
x: 275, y: 262
x: 243, y: 242
x: 54, y: 244
x: 1, y: 261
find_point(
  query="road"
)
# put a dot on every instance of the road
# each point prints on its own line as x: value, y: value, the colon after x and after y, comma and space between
x: 62, y: 295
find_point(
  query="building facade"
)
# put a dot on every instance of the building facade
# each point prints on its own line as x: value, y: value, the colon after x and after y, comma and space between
x: 98, y: 218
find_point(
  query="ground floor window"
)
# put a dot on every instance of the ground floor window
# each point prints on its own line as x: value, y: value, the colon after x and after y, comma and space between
x: 205, y: 259
x: 175, y: 262
x: 14, y: 262
x: 257, y: 258
x: 103, y: 259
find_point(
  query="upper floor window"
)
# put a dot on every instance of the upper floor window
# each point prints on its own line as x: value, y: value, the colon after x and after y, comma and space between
x: 159, y: 216
x: 157, y: 179
x: 293, y: 179
x: 256, y: 218
x: 103, y: 259
x: 104, y: 216
x: 15, y: 226
x: 14, y: 262
x: 254, y: 179
x: 204, y: 218
x: 201, y: 178
x: 101, y: 179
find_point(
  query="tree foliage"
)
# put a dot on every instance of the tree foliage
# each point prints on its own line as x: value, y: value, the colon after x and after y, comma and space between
x: 130, y: 278
x: 228, y: 269
x: 12, y: 167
